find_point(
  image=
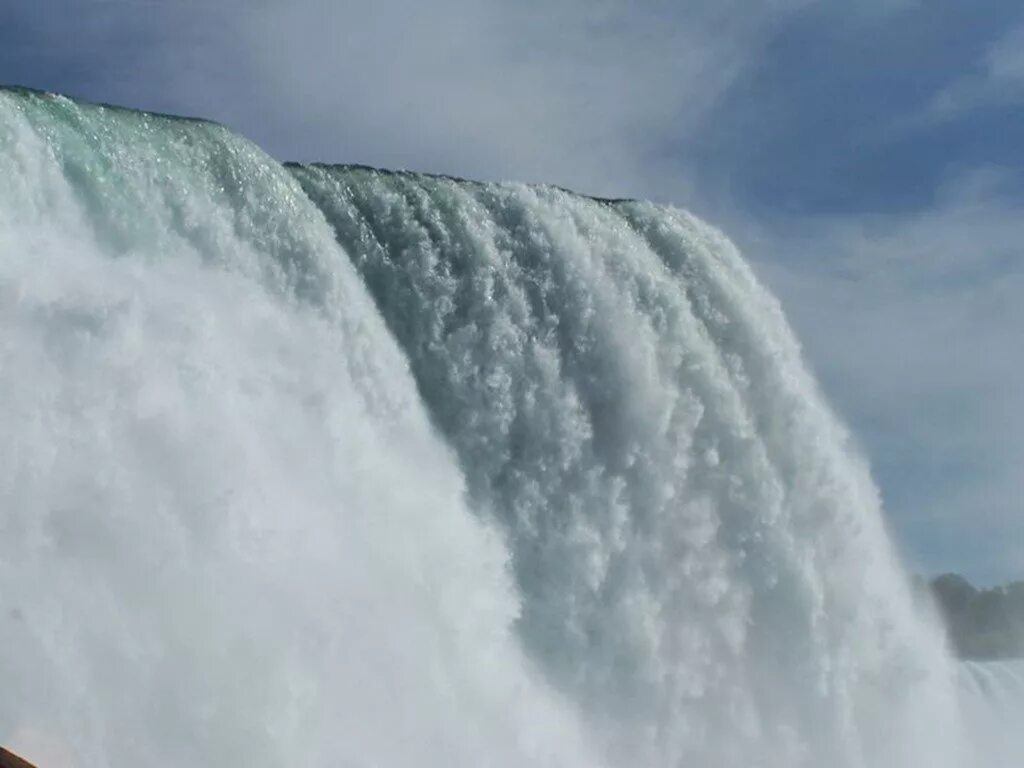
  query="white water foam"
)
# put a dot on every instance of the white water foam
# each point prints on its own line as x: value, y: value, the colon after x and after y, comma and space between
x: 228, y: 535
x: 701, y: 553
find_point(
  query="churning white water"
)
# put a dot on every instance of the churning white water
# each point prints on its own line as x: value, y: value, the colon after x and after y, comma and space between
x: 701, y: 555
x: 333, y: 467
x: 228, y: 536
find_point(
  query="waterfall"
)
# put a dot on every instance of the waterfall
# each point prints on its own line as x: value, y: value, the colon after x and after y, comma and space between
x: 329, y: 466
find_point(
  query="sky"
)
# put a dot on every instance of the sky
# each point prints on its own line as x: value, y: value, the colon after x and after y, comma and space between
x: 866, y: 155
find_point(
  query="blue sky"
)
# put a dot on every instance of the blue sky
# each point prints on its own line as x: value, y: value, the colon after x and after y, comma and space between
x: 868, y: 157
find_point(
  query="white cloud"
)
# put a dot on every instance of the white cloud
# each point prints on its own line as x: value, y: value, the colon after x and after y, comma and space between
x: 590, y: 94
x: 998, y: 79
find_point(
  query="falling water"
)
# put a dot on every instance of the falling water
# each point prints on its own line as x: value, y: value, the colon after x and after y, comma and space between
x: 328, y: 466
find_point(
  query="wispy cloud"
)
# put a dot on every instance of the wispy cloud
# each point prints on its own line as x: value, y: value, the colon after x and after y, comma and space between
x: 586, y: 94
x: 997, y: 79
